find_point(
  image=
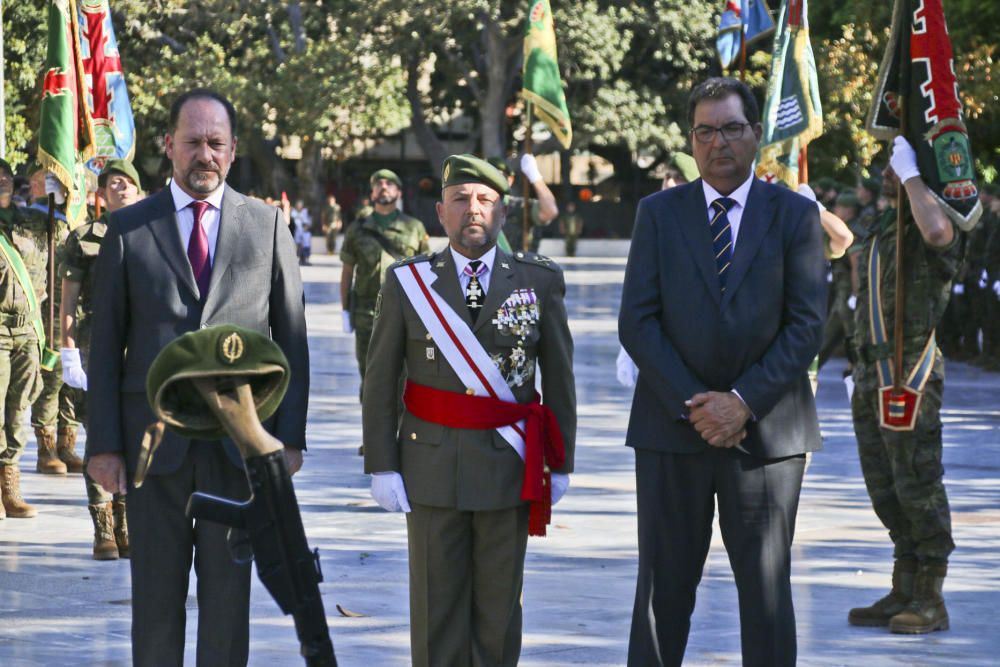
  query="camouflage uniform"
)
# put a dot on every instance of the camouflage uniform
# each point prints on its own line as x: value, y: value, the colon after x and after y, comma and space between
x: 902, y: 469
x: 20, y: 380
x: 406, y: 236
x: 991, y: 319
x: 840, y: 320
x: 79, y: 257
x: 332, y: 222
x: 571, y: 224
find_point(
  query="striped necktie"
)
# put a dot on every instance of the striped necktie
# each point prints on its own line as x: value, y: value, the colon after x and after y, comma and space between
x: 722, y: 237
x: 474, y: 294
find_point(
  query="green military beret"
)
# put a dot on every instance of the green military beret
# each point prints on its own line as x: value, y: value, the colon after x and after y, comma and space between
x: 872, y: 185
x: 468, y: 168
x: 6, y: 166
x: 120, y: 166
x: 214, y: 352
x: 501, y: 165
x: 388, y: 175
x: 685, y: 164
x: 847, y: 199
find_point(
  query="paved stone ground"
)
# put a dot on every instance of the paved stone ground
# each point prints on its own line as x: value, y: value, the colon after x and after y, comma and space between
x: 58, y: 607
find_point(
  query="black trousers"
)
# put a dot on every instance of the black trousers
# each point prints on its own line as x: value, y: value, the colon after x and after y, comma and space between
x: 758, y: 500
x: 163, y: 544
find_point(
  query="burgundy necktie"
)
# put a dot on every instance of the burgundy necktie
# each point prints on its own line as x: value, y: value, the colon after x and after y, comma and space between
x: 201, y: 265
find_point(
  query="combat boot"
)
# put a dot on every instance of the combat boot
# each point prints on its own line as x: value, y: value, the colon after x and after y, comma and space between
x: 48, y: 460
x: 105, y: 547
x: 926, y: 611
x: 878, y: 614
x: 66, y: 449
x: 10, y: 489
x: 121, y: 527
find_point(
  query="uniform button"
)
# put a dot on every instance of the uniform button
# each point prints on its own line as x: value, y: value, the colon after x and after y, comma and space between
x: 470, y: 391
x: 429, y: 337
x: 413, y: 436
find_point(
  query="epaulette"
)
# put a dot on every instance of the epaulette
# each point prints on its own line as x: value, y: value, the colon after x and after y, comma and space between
x: 534, y: 259
x: 411, y: 260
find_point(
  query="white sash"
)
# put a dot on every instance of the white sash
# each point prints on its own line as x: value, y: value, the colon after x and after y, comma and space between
x: 463, y: 352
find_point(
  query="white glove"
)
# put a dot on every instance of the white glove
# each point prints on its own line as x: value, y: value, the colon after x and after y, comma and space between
x: 904, y: 160
x: 389, y: 492
x: 996, y: 288
x: 72, y: 369
x: 806, y: 191
x: 53, y: 186
x: 959, y: 289
x: 529, y: 167
x: 345, y: 317
x: 627, y: 372
x: 984, y: 280
x: 852, y: 302
x: 560, y: 482
x: 849, y: 386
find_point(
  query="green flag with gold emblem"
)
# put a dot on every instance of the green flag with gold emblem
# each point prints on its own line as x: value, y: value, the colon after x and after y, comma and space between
x: 542, y: 83
x: 65, y: 135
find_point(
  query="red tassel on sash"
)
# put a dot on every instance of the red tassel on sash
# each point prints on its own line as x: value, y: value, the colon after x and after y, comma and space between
x: 543, y: 443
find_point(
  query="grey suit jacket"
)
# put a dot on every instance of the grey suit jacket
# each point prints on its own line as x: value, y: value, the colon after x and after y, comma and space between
x: 466, y: 469
x: 686, y: 336
x: 146, y: 296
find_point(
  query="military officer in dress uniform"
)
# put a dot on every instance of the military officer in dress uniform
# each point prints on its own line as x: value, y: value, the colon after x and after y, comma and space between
x: 371, y: 244
x: 466, y: 459
x: 901, y: 463
x: 121, y: 187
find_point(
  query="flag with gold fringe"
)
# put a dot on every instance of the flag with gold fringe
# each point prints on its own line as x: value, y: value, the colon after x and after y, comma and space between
x: 792, y: 114
x: 542, y: 85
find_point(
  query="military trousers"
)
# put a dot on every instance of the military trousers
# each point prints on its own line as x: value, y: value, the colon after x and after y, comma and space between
x: 904, y: 476
x: 56, y: 404
x: 363, y: 321
x: 96, y: 495
x: 19, y: 386
x: 466, y: 575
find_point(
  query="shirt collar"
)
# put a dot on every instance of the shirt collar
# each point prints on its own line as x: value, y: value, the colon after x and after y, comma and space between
x: 182, y: 199
x: 739, y: 195
x: 461, y: 261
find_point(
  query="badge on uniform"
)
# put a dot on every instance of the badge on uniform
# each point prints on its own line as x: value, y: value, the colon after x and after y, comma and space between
x: 430, y: 353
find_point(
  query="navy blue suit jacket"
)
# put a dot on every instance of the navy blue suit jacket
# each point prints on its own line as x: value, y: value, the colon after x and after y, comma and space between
x: 759, y: 336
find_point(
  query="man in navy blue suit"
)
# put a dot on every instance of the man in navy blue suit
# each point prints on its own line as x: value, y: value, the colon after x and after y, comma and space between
x: 722, y: 311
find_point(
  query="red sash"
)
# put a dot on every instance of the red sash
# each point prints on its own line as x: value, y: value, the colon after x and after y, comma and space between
x: 543, y: 443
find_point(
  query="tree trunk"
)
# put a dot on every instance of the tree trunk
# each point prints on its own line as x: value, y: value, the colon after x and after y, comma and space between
x: 433, y: 147
x: 310, y: 175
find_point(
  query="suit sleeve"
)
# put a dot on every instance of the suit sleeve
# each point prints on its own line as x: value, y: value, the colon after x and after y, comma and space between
x: 386, y: 359
x: 804, y: 312
x: 661, y: 367
x: 107, y: 346
x: 555, y: 356
x: 288, y: 329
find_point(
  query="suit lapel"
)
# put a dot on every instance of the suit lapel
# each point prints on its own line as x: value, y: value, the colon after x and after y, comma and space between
x: 757, y: 219
x: 693, y: 222
x: 501, y: 285
x: 447, y: 285
x: 230, y: 226
x: 164, y: 227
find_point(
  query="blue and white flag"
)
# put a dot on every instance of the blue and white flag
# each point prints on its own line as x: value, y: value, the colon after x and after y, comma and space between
x: 752, y: 16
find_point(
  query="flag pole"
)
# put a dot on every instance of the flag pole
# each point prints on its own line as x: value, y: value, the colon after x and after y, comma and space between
x: 525, y: 241
x: 3, y: 102
x: 743, y: 53
x: 804, y: 164
x: 902, y: 202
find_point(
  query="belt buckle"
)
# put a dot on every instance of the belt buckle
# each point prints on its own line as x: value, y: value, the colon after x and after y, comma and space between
x: 19, y: 320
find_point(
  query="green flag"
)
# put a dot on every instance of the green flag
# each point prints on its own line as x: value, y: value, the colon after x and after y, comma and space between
x: 65, y: 135
x: 792, y: 113
x: 542, y: 83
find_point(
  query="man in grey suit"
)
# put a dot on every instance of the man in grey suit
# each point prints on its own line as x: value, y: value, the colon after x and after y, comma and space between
x: 450, y: 461
x: 196, y: 254
x: 722, y: 311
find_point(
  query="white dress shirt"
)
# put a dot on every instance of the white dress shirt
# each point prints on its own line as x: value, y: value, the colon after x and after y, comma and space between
x: 209, y: 219
x: 735, y: 214
x: 461, y: 261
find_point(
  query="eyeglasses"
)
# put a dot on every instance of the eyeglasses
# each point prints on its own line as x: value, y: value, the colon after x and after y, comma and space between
x: 730, y: 132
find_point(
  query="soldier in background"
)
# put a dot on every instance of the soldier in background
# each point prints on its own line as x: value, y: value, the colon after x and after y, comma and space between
x: 570, y: 226
x: 990, y: 359
x: 542, y: 209
x: 867, y: 194
x: 331, y: 223
x: 371, y: 244
x: 119, y: 186
x: 839, y: 326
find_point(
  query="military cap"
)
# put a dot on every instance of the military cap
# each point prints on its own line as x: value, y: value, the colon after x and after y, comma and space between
x: 388, y: 175
x: 120, y: 166
x: 6, y: 166
x: 685, y: 164
x: 214, y: 352
x: 468, y: 168
x: 847, y: 199
x: 501, y: 165
x: 872, y: 185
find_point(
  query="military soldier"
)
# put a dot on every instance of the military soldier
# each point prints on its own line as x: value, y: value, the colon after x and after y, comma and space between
x: 469, y: 325
x: 991, y: 263
x: 371, y: 244
x: 543, y: 209
x: 902, y: 468
x: 840, y: 321
x: 120, y: 187
x: 22, y: 247
x: 570, y: 226
x: 332, y: 222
